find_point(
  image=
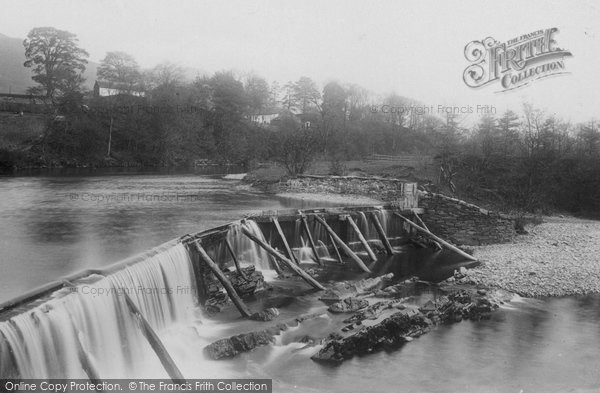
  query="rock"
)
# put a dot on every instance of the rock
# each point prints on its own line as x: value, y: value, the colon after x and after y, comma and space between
x: 234, y: 345
x: 217, y: 298
x: 370, y: 284
x: 350, y: 304
x: 390, y: 333
x: 217, y: 302
x: 339, y: 292
x: 265, y: 315
x: 306, y: 340
x: 427, y: 307
x: 334, y: 336
x: 345, y: 289
x: 371, y: 312
x: 395, y: 329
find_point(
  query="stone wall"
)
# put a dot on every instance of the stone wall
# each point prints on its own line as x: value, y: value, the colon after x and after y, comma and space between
x: 402, y: 194
x: 463, y: 223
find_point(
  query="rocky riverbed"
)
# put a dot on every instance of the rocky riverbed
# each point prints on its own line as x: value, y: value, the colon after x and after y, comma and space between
x: 372, y: 314
x: 556, y: 258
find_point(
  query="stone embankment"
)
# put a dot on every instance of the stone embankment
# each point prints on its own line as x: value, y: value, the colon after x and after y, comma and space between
x: 463, y: 223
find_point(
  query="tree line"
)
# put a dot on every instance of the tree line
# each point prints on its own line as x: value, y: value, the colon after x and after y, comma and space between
x: 529, y: 160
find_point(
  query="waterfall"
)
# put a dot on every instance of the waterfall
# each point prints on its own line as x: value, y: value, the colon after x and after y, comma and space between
x: 305, y: 254
x: 365, y: 226
x: 93, y: 315
x: 392, y: 226
x: 248, y: 252
x: 322, y: 249
x: 319, y: 232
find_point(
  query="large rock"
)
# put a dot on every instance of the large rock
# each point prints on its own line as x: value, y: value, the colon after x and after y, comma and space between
x: 350, y: 304
x: 402, y: 326
x: 265, y: 315
x: 390, y: 332
x: 217, y: 298
x: 244, y: 287
x: 234, y: 345
x: 343, y: 290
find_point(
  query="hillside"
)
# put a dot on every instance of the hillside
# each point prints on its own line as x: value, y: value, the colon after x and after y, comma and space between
x: 15, y: 77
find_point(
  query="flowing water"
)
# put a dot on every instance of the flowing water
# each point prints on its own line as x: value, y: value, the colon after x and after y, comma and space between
x: 527, y: 346
x: 55, y: 225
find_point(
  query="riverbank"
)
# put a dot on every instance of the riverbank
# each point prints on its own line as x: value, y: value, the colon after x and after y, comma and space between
x: 559, y: 257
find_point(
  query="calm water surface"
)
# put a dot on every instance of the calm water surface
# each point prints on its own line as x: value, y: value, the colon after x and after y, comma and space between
x: 55, y: 225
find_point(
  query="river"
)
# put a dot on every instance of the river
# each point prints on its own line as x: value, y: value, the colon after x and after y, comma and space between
x: 57, y: 224
x: 60, y: 223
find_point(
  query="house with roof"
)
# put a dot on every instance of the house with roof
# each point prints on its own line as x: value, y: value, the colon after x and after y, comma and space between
x: 264, y: 118
x: 108, y: 89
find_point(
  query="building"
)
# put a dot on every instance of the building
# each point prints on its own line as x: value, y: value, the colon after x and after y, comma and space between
x: 264, y: 119
x: 108, y: 89
x: 27, y: 103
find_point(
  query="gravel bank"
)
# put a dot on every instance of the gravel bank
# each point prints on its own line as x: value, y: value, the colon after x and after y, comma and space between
x: 557, y: 258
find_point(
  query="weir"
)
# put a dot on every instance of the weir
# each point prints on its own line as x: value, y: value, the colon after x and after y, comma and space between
x: 88, y: 325
x: 43, y: 340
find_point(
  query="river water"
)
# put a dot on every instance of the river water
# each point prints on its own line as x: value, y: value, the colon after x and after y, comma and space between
x: 57, y: 224
x: 53, y: 225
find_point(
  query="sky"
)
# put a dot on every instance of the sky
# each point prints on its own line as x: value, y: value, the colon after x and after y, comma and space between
x: 411, y: 48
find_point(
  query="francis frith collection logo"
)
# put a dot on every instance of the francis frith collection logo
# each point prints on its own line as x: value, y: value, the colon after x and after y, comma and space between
x: 514, y: 63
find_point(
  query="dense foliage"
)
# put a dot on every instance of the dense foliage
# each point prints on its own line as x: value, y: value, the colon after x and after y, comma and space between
x: 528, y: 161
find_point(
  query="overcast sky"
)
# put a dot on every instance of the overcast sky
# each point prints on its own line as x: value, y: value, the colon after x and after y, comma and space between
x: 413, y: 48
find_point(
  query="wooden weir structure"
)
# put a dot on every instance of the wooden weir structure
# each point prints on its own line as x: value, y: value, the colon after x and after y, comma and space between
x: 336, y: 228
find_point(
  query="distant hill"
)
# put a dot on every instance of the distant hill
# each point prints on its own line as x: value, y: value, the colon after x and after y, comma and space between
x: 15, y: 77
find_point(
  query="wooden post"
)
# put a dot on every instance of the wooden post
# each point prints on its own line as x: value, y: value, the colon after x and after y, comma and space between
x: 201, y: 292
x: 382, y: 234
x: 362, y: 238
x: 439, y: 247
x: 274, y: 261
x: 311, y: 240
x: 235, y: 260
x: 154, y: 340
x: 438, y: 239
x: 239, y: 303
x: 109, y: 135
x: 343, y: 245
x: 286, y: 245
x: 315, y: 284
x: 335, y: 247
